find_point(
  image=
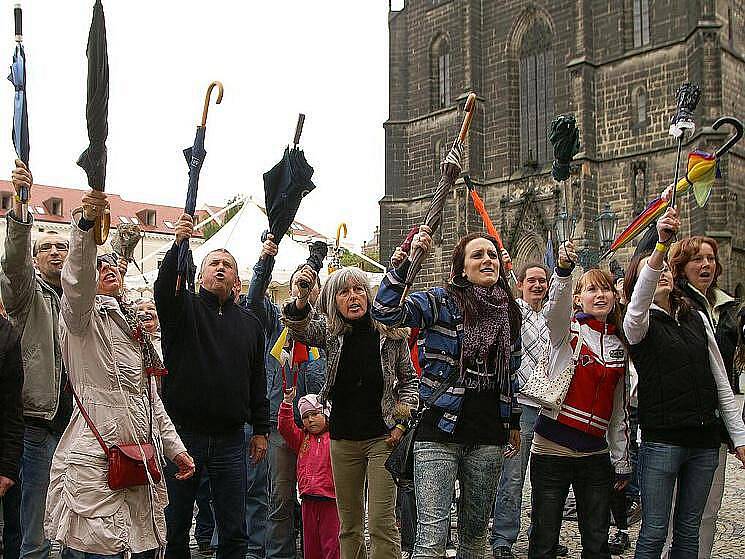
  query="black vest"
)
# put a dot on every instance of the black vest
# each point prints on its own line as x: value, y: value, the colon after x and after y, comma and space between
x: 676, y: 386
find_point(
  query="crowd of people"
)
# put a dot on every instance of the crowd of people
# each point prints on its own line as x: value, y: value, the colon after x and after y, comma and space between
x: 119, y: 416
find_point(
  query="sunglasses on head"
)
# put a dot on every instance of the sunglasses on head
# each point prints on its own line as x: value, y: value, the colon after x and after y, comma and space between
x: 110, y: 259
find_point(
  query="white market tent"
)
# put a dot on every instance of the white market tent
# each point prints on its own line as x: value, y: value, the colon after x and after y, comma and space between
x: 241, y: 236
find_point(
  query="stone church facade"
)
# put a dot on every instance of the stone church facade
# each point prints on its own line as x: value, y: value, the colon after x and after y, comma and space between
x: 614, y: 65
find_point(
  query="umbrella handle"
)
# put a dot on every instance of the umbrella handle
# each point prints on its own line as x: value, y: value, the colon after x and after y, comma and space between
x: 101, y: 227
x: 737, y: 125
x: 220, y: 91
x: 470, y: 108
x: 298, y: 129
x: 18, y: 17
x: 342, y: 227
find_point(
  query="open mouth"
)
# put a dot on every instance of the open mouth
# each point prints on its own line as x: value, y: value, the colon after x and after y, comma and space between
x: 487, y: 270
x: 56, y: 262
x: 601, y: 304
x: 355, y: 307
x: 111, y: 276
x: 220, y: 275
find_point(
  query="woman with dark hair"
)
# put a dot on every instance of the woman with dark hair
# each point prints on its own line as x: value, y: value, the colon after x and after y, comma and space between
x: 683, y: 388
x: 469, y: 332
x: 373, y: 387
x: 695, y: 265
x: 584, y: 442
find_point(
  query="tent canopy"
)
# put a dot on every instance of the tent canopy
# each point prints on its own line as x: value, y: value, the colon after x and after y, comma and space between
x: 241, y: 236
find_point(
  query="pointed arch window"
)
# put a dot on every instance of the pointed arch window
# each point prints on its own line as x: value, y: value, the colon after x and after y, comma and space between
x: 536, y: 94
x: 440, y: 68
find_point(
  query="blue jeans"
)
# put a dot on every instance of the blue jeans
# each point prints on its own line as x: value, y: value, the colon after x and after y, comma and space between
x: 11, y: 522
x: 204, y: 528
x: 436, y: 467
x: 39, y: 445
x: 256, y: 508
x: 280, y: 525
x: 226, y: 460
x: 507, y: 505
x: 660, y: 465
x: 591, y: 477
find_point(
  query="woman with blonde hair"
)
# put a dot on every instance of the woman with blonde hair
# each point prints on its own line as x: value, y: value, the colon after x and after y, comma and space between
x: 373, y: 387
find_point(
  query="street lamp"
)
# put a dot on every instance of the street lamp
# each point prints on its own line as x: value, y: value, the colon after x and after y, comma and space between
x: 564, y: 226
x: 607, y: 221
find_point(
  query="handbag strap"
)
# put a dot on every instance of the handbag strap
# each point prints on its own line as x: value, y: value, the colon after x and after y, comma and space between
x: 87, y: 418
x: 578, y: 347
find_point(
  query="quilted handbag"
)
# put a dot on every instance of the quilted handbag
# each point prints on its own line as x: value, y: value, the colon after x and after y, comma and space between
x: 550, y: 392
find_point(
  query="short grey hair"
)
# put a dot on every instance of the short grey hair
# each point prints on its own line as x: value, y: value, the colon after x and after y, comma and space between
x: 337, y: 281
x: 223, y: 250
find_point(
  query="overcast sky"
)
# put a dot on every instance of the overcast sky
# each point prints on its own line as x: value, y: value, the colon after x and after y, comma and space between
x: 276, y: 58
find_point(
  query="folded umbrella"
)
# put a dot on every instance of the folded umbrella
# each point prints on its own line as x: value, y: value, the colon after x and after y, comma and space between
x: 450, y: 169
x: 702, y: 170
x: 480, y: 207
x: 20, y: 110
x: 93, y: 159
x: 285, y: 185
x: 194, y: 158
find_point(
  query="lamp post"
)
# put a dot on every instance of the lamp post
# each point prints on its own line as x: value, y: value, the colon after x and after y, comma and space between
x: 606, y: 222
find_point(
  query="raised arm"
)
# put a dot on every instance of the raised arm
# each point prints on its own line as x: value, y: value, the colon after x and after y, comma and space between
x: 256, y: 300
x: 79, y: 271
x: 419, y: 310
x: 558, y: 309
x: 17, y: 280
x: 169, y: 304
x: 636, y: 321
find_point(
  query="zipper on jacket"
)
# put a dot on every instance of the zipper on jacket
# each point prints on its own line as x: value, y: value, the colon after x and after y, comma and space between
x: 219, y: 310
x: 602, y: 378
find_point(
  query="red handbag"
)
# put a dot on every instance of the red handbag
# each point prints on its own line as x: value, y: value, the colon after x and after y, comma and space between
x: 126, y: 461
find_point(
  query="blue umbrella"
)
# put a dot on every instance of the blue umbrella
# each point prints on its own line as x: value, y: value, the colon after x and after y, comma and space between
x: 20, y: 111
x: 194, y: 158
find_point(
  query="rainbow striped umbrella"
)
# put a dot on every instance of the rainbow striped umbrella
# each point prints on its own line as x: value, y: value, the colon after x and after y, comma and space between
x: 702, y: 170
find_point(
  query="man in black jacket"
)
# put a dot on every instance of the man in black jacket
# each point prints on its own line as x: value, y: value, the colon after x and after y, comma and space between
x: 11, y: 436
x: 214, y: 353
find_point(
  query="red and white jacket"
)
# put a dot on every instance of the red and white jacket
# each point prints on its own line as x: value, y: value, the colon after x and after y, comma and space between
x: 596, y: 403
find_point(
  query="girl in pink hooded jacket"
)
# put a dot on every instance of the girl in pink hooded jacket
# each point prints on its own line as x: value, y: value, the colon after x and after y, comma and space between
x: 315, y: 478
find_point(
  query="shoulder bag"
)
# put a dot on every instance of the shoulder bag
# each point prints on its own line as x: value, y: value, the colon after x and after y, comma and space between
x: 551, y: 392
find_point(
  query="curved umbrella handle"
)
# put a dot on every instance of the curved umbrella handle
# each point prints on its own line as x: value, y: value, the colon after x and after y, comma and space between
x: 470, y: 109
x: 220, y: 91
x: 101, y: 227
x: 339, y: 236
x: 737, y: 125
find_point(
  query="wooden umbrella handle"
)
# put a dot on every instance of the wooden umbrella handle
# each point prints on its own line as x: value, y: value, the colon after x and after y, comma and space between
x: 101, y: 227
x: 207, y: 97
x: 470, y: 109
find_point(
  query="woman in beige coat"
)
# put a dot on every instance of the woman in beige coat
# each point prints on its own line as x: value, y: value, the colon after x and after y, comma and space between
x: 106, y: 367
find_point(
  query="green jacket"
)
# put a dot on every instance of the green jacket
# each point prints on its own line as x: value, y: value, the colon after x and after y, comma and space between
x: 33, y: 308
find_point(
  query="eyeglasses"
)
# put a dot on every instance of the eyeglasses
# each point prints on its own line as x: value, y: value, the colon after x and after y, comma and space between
x: 46, y: 247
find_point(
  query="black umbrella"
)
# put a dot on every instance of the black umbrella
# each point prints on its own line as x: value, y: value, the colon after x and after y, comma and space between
x: 194, y: 158
x: 564, y: 137
x: 318, y: 252
x: 20, y: 112
x: 285, y: 185
x: 93, y: 159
